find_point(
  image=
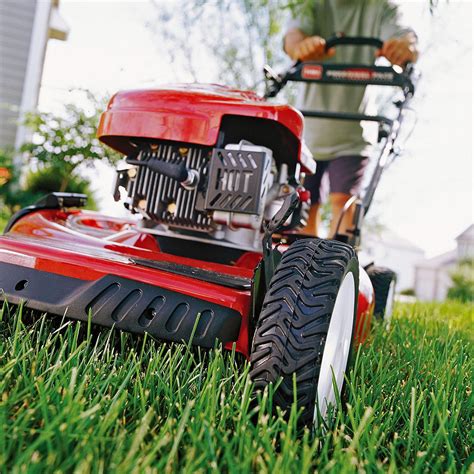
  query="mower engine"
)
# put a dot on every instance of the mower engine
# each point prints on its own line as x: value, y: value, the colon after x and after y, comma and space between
x: 207, y: 163
x: 225, y: 193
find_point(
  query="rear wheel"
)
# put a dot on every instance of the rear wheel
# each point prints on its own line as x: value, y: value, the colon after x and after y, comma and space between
x: 384, y: 282
x: 306, y: 325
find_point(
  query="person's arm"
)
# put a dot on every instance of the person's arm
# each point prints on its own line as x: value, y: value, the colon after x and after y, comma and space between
x: 301, y: 47
x: 400, y: 41
x: 400, y: 50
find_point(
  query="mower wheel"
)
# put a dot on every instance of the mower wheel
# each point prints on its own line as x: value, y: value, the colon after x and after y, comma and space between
x: 384, y: 281
x: 306, y: 325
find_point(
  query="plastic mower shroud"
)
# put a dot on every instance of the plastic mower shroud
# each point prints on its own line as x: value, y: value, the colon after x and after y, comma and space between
x: 76, y: 263
x: 79, y: 263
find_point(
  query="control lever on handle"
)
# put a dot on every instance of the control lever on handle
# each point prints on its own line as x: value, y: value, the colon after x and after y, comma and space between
x: 270, y: 73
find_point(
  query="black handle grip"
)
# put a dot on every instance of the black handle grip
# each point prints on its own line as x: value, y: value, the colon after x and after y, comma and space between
x: 341, y: 40
x: 176, y: 171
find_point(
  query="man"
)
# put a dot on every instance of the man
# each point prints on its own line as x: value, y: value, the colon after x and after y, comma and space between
x: 339, y: 147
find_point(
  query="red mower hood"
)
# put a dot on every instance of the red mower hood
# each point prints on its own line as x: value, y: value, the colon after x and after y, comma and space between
x: 190, y: 113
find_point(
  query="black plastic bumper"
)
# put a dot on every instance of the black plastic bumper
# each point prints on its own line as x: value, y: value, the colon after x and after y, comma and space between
x: 122, y: 303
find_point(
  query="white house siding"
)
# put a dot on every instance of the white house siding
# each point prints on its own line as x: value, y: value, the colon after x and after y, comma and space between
x: 465, y: 243
x: 16, y: 26
x: 425, y: 283
x: 390, y: 250
x: 433, y: 276
x: 432, y: 284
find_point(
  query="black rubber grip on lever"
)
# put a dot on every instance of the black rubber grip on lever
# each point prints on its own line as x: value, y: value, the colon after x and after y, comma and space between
x: 176, y: 171
x: 341, y: 40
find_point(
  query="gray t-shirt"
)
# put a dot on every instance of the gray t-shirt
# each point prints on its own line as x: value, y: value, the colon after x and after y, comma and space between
x: 328, y: 139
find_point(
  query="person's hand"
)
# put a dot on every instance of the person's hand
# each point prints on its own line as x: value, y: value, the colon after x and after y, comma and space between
x: 399, y: 51
x: 311, y: 48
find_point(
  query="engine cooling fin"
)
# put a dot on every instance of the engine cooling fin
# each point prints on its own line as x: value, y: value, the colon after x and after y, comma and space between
x: 162, y: 199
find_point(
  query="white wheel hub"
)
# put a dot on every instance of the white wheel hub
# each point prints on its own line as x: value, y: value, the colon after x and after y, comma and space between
x: 390, y: 300
x: 337, y: 347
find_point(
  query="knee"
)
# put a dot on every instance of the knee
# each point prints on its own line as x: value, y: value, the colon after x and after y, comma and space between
x: 339, y: 199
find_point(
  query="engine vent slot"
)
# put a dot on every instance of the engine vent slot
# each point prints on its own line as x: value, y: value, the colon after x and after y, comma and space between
x: 235, y: 180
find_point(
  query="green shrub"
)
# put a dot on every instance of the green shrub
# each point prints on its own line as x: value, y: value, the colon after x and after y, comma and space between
x: 12, y: 196
x: 46, y: 181
x: 463, y: 282
x: 37, y: 184
x: 60, y: 146
x: 67, y: 142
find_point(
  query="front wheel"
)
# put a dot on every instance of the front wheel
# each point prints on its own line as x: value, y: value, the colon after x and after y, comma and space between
x: 306, y: 325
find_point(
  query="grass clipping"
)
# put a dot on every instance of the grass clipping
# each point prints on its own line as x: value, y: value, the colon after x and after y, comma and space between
x: 77, y: 398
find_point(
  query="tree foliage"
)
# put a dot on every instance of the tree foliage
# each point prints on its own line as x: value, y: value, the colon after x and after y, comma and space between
x: 60, y: 146
x: 241, y: 36
x: 65, y: 142
x: 462, y: 288
x: 228, y: 41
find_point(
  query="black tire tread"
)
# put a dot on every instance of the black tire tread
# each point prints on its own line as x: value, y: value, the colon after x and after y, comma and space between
x: 381, y: 278
x: 295, y: 319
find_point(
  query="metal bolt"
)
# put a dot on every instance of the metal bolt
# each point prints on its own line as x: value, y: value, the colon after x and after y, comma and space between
x: 171, y: 208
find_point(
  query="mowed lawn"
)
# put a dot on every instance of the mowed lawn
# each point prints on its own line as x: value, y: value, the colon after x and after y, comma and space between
x: 79, y: 399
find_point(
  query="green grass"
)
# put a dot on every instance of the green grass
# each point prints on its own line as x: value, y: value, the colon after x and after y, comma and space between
x: 77, y: 399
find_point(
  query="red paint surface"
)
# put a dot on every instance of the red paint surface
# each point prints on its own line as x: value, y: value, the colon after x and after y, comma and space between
x: 188, y: 113
x: 365, y: 308
x: 49, y: 241
x: 304, y: 194
x: 312, y: 71
x: 43, y: 241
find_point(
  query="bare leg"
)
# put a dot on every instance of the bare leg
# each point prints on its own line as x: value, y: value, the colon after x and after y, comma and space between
x: 338, y: 200
x: 313, y: 221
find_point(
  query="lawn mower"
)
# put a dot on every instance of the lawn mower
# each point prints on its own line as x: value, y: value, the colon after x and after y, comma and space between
x: 215, y: 177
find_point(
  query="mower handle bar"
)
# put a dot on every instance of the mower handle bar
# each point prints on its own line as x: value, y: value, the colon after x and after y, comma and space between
x: 334, y: 73
x: 340, y: 39
x: 343, y: 74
